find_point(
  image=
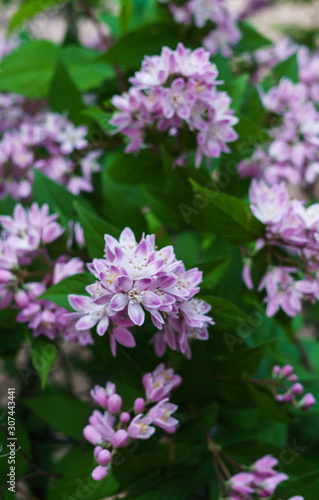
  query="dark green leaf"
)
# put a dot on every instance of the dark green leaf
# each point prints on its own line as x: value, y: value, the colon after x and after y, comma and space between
x: 94, y: 230
x: 228, y: 217
x: 132, y: 47
x: 306, y: 486
x: 73, y: 285
x: 267, y: 405
x: 62, y: 412
x: 64, y: 96
x: 43, y: 354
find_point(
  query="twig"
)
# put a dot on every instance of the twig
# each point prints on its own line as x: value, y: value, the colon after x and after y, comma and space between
x: 303, y: 355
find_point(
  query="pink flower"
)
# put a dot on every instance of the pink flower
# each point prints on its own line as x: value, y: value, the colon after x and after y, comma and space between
x: 140, y: 427
x: 161, y: 415
x: 242, y: 483
x: 160, y: 383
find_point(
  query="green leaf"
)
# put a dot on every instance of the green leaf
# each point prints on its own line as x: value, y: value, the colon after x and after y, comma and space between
x: 101, y: 117
x: 226, y: 314
x: 43, y: 354
x: 288, y: 69
x: 306, y: 486
x: 266, y: 404
x: 236, y: 90
x: 197, y: 426
x: 142, y: 169
x: 94, y: 230
x: 125, y: 14
x: 29, y: 69
x: 57, y: 196
x: 29, y: 9
x: 85, y: 67
x: 64, y: 96
x: 132, y: 47
x: 251, y: 38
x: 7, y: 205
x: 187, y: 248
x: 72, y: 285
x: 228, y: 217
x: 62, y: 412
x: 249, y: 133
x: 241, y: 363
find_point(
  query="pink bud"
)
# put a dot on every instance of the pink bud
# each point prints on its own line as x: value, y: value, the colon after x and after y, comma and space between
x: 276, y: 371
x: 139, y: 405
x: 120, y: 439
x: 99, y: 473
x: 286, y: 371
x: 5, y: 276
x: 287, y: 398
x: 97, y: 450
x: 297, y: 389
x: 280, y: 398
x: 114, y: 403
x: 293, y: 378
x: 92, y: 435
x: 247, y: 279
x: 125, y: 417
x: 307, y: 401
x: 104, y: 457
x: 22, y: 299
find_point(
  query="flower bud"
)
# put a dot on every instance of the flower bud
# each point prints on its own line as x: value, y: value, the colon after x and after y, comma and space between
x: 297, y: 389
x: 125, y: 417
x: 114, y: 403
x: 120, y: 439
x: 92, y: 435
x: 276, y: 371
x: 307, y: 401
x: 286, y: 371
x: 97, y: 450
x: 104, y: 457
x: 139, y: 405
x: 99, y: 473
x: 21, y: 299
x: 293, y: 378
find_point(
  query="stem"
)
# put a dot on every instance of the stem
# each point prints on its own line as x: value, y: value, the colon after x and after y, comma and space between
x: 216, y: 452
x: 303, y: 355
x: 220, y: 479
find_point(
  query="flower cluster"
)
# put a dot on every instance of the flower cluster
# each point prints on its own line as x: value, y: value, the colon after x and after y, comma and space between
x: 260, y: 481
x: 223, y: 34
x: 172, y: 90
x: 290, y: 227
x: 136, y: 277
x: 292, y: 154
x: 50, y: 143
x: 286, y: 375
x: 23, y: 242
x: 115, y: 428
x: 263, y: 60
